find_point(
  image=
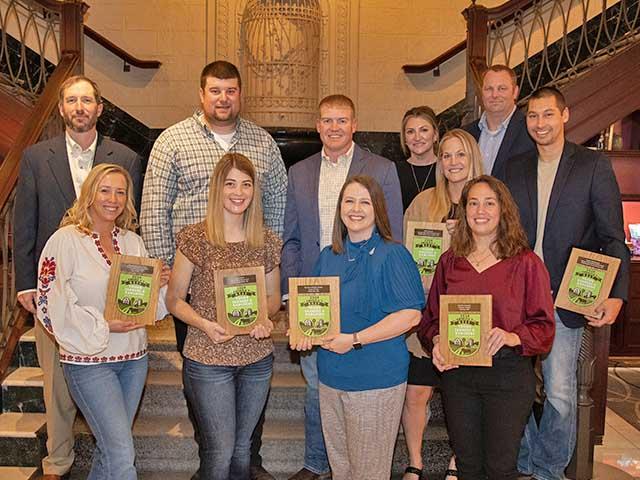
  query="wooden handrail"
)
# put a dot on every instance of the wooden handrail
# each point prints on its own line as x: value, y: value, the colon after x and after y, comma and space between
x: 116, y: 50
x: 30, y: 133
x: 507, y: 9
x: 436, y: 62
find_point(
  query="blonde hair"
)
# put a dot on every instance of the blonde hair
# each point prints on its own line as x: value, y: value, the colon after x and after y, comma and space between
x: 79, y: 214
x: 253, y: 223
x: 441, y: 202
x: 426, y: 113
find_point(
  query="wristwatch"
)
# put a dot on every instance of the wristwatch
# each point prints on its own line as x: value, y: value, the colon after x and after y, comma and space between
x: 356, y: 342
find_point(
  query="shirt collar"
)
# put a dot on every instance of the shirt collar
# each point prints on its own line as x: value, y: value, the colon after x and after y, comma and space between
x: 345, y: 157
x: 484, y: 127
x: 74, y: 147
x: 198, y: 115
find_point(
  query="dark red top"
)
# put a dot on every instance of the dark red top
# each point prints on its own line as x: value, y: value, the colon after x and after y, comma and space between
x: 521, y: 291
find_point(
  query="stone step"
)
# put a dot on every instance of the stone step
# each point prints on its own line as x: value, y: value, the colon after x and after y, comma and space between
x: 18, y: 473
x: 25, y: 354
x: 22, y: 439
x: 165, y: 444
x: 22, y: 392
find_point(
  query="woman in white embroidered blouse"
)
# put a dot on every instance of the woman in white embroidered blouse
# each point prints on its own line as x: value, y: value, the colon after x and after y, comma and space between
x: 104, y: 361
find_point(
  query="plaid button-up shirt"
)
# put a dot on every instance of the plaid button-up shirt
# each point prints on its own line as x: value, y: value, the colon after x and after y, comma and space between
x: 176, y: 185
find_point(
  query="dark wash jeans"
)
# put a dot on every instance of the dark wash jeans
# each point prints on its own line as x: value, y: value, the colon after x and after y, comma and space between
x: 227, y: 403
x: 487, y: 409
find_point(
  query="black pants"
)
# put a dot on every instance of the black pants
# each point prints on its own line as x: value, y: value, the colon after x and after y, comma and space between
x: 256, y: 438
x: 487, y: 409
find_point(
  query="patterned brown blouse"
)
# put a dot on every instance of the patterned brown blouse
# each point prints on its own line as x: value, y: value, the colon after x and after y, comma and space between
x: 241, y: 349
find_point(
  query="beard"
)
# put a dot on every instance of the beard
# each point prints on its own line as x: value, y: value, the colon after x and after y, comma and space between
x: 87, y: 123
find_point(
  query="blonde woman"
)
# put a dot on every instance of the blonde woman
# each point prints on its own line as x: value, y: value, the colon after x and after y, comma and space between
x: 104, y: 361
x: 226, y: 378
x: 459, y: 161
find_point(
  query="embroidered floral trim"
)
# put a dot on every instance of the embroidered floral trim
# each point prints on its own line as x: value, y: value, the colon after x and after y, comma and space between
x: 116, y: 246
x: 65, y: 357
x: 46, y: 276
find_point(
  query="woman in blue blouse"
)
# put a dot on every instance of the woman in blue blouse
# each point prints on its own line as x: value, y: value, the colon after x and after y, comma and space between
x: 363, y: 370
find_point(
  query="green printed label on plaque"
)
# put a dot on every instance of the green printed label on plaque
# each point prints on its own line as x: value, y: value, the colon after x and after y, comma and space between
x: 586, y: 281
x: 134, y: 288
x: 314, y: 311
x: 464, y: 328
x: 241, y: 299
x: 426, y: 249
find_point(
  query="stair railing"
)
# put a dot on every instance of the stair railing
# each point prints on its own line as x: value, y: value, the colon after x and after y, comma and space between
x: 41, y: 47
x: 531, y: 37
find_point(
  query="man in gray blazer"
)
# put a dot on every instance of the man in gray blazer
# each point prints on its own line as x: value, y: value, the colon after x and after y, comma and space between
x: 51, y: 175
x: 312, y: 195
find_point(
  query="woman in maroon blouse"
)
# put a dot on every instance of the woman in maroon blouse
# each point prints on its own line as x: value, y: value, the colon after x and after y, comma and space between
x: 487, y: 407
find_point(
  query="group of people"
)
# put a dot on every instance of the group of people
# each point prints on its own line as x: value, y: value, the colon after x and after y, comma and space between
x: 515, y: 195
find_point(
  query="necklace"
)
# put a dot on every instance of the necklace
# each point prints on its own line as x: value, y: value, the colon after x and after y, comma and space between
x: 477, y: 262
x: 358, y: 251
x: 415, y: 178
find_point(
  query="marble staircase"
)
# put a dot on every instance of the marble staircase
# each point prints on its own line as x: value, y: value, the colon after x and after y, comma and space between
x: 162, y: 433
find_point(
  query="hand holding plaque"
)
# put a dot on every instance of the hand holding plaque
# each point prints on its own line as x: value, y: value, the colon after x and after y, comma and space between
x: 132, y: 292
x: 586, y: 282
x: 241, y: 299
x: 314, y: 309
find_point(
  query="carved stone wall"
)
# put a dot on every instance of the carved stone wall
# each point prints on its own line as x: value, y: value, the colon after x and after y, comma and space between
x: 336, y: 62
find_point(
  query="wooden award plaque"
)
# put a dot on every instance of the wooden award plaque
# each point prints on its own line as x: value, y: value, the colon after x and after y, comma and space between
x: 241, y: 299
x: 314, y: 308
x: 132, y: 292
x: 427, y: 242
x: 587, y: 281
x: 464, y: 321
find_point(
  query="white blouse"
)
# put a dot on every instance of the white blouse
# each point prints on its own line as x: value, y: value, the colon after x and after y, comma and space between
x: 71, y: 297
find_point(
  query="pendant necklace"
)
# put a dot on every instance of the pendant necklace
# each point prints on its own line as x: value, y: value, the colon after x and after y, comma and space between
x: 415, y: 178
x: 478, y: 262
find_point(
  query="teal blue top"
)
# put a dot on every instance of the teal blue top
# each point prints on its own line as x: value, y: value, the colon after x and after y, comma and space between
x: 376, y: 278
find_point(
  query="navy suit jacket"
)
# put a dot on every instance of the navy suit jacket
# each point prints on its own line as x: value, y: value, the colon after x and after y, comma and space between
x: 585, y: 211
x: 301, y: 236
x: 515, y: 142
x: 45, y: 192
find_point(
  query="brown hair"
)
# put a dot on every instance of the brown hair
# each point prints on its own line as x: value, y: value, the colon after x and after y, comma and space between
x: 253, y: 223
x: 76, y: 79
x: 379, y: 211
x: 510, y: 237
x: 441, y: 203
x: 337, y: 101
x: 426, y: 113
x: 220, y: 69
x: 544, y: 92
x: 501, y: 68
x: 79, y: 215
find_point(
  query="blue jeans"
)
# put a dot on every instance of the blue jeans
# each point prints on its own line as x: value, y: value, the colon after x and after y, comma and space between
x: 546, y: 449
x: 227, y: 403
x: 315, y: 453
x: 108, y: 395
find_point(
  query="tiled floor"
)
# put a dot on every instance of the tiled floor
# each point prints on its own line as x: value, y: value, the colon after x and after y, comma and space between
x: 619, y: 457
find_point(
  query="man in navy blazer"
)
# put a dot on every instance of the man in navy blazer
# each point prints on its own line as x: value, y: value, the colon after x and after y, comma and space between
x: 51, y: 174
x: 568, y: 197
x: 501, y: 131
x: 312, y: 196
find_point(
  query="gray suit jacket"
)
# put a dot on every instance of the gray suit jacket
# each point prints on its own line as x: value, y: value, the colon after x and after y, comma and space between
x: 45, y: 192
x: 301, y: 217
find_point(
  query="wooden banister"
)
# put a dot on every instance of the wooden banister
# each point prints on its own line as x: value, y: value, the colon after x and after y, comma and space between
x: 116, y: 50
x: 436, y: 62
x: 44, y: 107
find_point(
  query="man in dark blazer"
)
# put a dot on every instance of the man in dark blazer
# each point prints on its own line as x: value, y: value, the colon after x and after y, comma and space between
x: 568, y: 197
x: 312, y: 196
x: 501, y: 131
x: 51, y: 174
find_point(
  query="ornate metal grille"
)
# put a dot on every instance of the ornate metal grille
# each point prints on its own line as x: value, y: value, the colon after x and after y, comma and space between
x: 280, y: 51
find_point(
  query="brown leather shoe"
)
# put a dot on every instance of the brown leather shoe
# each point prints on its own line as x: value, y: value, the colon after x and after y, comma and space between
x: 305, y: 474
x: 259, y: 473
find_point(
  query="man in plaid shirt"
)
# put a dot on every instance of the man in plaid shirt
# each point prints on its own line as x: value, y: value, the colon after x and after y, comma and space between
x: 176, y: 184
